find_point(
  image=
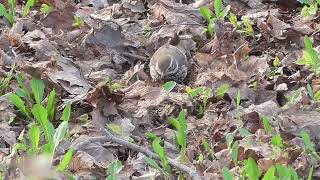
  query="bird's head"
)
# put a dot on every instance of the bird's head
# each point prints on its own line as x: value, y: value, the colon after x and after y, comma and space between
x: 166, y: 65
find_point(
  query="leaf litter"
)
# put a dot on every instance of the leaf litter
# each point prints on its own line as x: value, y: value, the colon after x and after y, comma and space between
x: 95, y: 54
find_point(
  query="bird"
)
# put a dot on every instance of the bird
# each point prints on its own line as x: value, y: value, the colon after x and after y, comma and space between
x: 169, y: 63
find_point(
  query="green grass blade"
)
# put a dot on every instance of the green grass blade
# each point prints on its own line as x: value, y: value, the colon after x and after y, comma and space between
x: 217, y: 7
x: 12, y: 13
x: 51, y: 105
x: 235, y: 151
x: 5, y: 83
x: 34, y: 137
x: 37, y: 86
x: 29, y: 5
x: 63, y: 165
x: 66, y: 112
x: 152, y: 163
x: 266, y: 124
x: 310, y: 173
x: 227, y: 175
x: 224, y: 88
x: 270, y: 174
x: 45, y: 9
x: 114, y: 169
x: 19, y: 103
x: 206, y: 13
x: 24, y: 90
x: 168, y: 86
x: 3, y: 11
x: 40, y: 114
x: 252, y: 169
x: 60, y: 133
x: 311, y: 52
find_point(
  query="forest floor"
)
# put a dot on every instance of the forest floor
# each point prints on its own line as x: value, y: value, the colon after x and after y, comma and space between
x: 78, y: 102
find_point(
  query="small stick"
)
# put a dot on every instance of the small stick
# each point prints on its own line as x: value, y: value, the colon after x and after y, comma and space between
x: 130, y: 55
x: 110, y: 137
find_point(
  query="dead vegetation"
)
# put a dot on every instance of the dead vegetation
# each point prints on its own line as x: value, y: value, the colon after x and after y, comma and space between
x: 77, y: 99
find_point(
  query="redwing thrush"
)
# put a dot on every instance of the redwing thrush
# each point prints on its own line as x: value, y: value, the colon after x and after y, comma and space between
x: 169, y: 63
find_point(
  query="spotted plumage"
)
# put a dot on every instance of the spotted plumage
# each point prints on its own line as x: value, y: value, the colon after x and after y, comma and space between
x: 169, y: 63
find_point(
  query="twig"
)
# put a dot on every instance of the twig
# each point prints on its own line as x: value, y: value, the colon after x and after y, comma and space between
x: 135, y: 56
x: 109, y: 137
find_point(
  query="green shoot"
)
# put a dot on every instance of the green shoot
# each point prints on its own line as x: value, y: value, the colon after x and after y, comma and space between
x: 312, y: 95
x: 254, y: 85
x: 227, y: 175
x: 77, y: 22
x: 10, y: 13
x: 19, y: 103
x: 169, y: 86
x: 309, y: 145
x: 235, y: 152
x: 310, y: 173
x: 29, y: 5
x: 310, y: 91
x: 34, y: 136
x: 147, y: 30
x: 42, y: 126
x: 317, y: 96
x: 150, y: 135
x: 244, y: 132
x: 286, y: 173
x: 276, y: 62
x: 238, y: 100
x: 277, y: 141
x: 37, y: 87
x: 251, y: 169
x: 159, y: 150
x: 3, y: 11
x: 247, y: 27
x: 23, y: 91
x: 234, y: 21
x: 294, y: 96
x: 270, y: 174
x: 204, y: 107
x: 181, y: 136
x: 208, y: 148
x: 46, y: 9
x: 51, y: 105
x: 115, y: 129
x: 64, y: 163
x: 224, y: 88
x: 114, y: 169
x: 5, y: 83
x: 206, y: 13
x: 66, y: 112
x: 21, y: 146
x: 310, y: 57
x: 193, y: 93
x: 200, y: 159
x: 153, y: 163
x: 60, y: 133
x: 219, y: 15
x: 41, y: 116
x: 310, y: 8
x: 229, y: 140
x: 244, y: 26
x: 266, y: 124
